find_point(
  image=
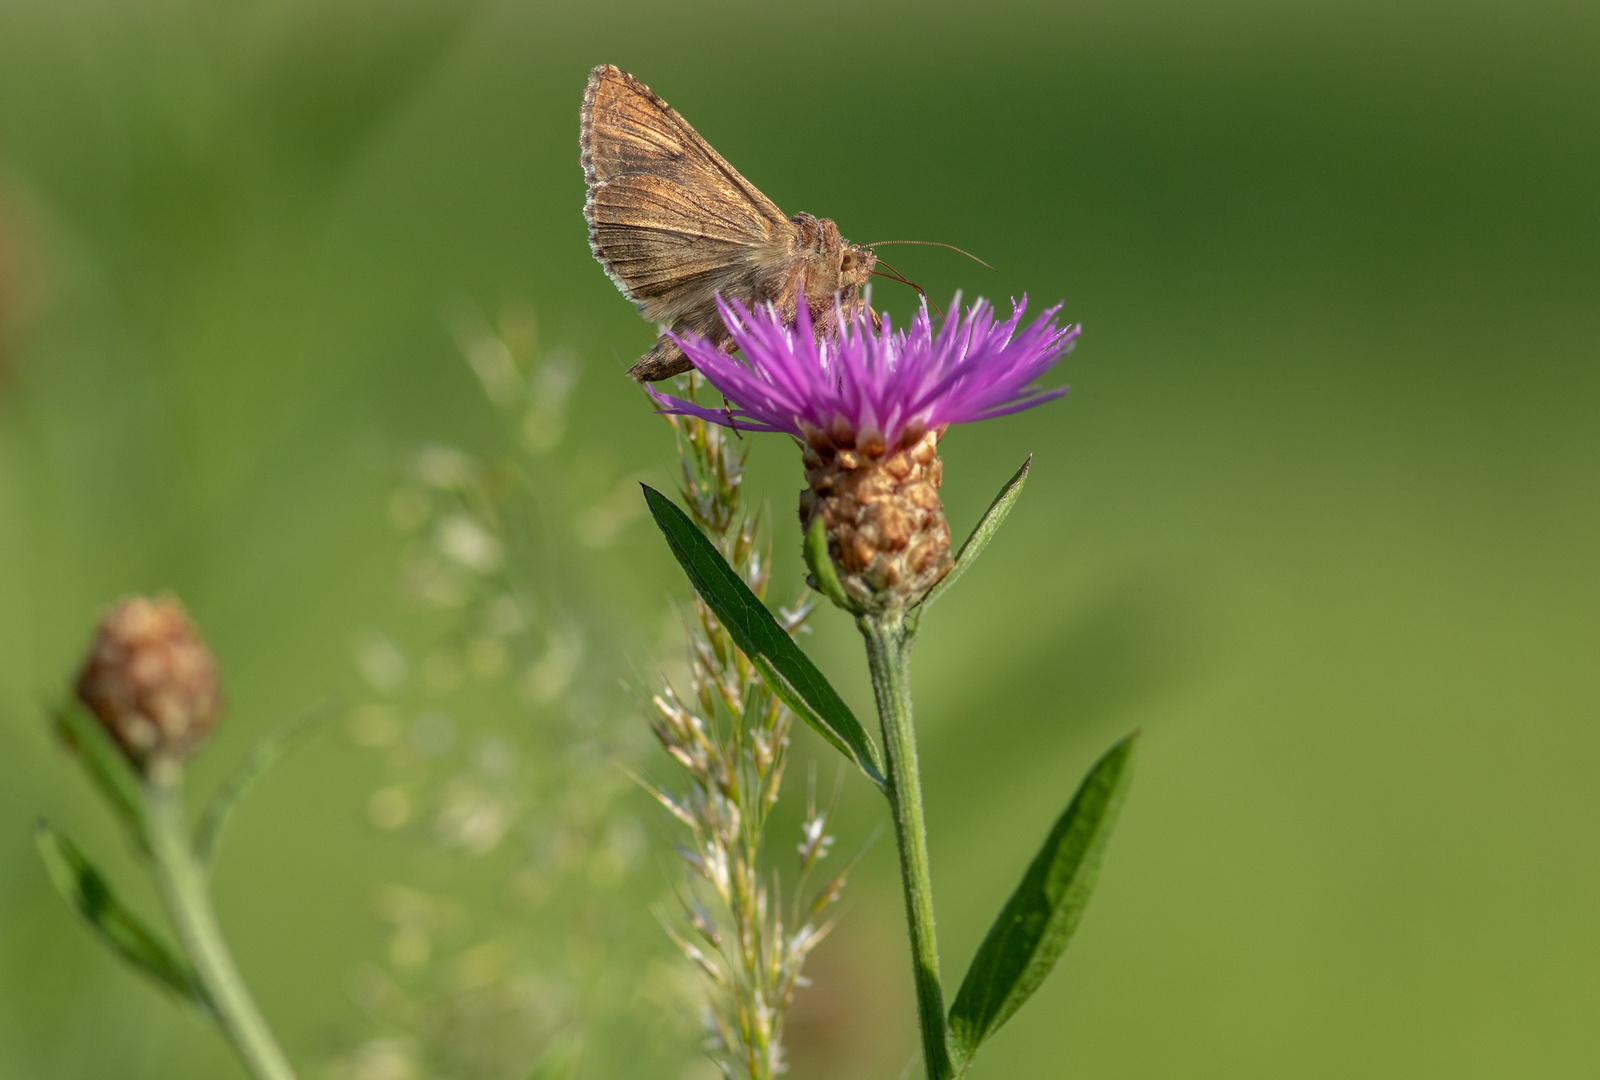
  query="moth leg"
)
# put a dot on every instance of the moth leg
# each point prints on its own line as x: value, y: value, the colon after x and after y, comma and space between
x: 666, y: 360
x: 661, y: 362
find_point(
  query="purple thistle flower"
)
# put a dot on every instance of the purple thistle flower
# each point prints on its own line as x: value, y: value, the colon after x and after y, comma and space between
x: 889, y: 382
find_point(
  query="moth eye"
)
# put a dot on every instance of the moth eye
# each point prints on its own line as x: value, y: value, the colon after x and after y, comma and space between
x: 848, y: 262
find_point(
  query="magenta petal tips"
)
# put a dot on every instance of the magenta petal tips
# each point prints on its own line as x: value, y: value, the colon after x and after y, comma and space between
x: 865, y: 379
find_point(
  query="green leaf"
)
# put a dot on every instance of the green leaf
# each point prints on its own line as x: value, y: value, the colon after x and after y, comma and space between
x: 262, y: 757
x: 108, y: 767
x: 824, y: 577
x: 87, y: 890
x: 987, y: 526
x: 790, y: 673
x: 1037, y: 922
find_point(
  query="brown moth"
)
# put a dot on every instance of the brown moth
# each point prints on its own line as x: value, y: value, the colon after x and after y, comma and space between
x: 673, y: 224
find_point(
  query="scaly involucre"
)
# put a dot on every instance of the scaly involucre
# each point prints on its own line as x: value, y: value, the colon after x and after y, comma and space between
x: 872, y: 382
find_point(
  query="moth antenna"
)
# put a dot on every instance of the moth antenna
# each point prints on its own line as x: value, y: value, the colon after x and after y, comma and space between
x: 933, y: 243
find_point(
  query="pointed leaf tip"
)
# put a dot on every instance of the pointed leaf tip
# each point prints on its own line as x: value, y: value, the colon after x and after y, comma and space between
x: 1038, y: 921
x: 786, y: 669
x: 982, y: 533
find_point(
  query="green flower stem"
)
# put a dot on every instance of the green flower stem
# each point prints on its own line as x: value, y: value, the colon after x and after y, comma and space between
x: 183, y: 887
x: 889, y: 658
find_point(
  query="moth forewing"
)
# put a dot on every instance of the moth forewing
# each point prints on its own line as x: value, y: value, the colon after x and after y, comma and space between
x: 674, y: 225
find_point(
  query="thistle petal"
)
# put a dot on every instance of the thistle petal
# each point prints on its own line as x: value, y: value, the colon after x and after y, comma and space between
x: 971, y: 366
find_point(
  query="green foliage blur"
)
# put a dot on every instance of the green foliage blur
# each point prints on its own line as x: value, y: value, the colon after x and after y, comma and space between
x: 1319, y: 515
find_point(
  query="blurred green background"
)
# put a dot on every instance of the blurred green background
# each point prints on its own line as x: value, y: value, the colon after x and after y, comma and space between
x: 1319, y: 516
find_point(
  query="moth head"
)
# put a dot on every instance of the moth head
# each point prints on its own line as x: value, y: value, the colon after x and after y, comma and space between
x: 856, y: 264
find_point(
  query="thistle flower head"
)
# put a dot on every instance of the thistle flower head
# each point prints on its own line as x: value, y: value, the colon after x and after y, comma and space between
x: 869, y: 404
x: 151, y: 681
x: 868, y: 385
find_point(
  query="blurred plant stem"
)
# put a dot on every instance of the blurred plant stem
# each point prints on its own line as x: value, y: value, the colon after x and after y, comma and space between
x: 888, y: 644
x: 182, y: 882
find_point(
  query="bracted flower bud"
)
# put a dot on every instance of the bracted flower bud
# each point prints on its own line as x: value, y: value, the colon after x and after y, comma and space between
x: 881, y: 513
x: 151, y: 681
x: 868, y: 406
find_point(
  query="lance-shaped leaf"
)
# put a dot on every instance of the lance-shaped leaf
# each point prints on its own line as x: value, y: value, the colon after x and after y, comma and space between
x: 108, y: 767
x: 83, y: 886
x: 787, y: 670
x: 262, y: 757
x: 987, y: 526
x: 1037, y: 922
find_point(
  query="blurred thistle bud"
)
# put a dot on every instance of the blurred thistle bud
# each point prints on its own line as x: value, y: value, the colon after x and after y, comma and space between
x: 151, y: 680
